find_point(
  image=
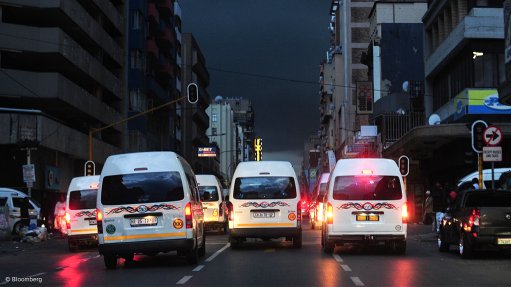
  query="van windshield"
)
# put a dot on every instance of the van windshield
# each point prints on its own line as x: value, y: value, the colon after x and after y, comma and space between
x: 141, y: 188
x: 367, y: 188
x: 211, y: 190
x: 264, y: 188
x: 82, y: 199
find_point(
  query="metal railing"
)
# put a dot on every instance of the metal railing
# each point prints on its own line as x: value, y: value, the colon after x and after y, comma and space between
x: 394, y: 126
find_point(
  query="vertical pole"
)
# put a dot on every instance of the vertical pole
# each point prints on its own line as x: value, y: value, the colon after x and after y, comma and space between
x: 480, y: 168
x: 90, y: 144
x: 493, y: 175
x: 29, y: 184
x: 404, y: 183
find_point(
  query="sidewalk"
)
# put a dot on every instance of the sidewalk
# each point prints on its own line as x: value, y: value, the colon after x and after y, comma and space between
x: 15, y: 246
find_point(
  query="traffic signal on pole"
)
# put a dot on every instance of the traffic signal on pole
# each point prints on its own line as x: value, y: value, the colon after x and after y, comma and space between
x: 478, y: 128
x: 90, y: 168
x: 404, y: 165
x: 258, y: 147
x: 192, y: 93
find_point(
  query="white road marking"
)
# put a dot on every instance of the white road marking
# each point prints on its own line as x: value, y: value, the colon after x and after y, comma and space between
x: 357, y: 281
x: 218, y: 252
x: 346, y: 268
x: 337, y: 258
x: 184, y: 280
x: 215, y: 243
x: 198, y: 268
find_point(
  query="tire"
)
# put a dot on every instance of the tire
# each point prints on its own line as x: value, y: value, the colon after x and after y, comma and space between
x: 443, y: 245
x: 400, y: 247
x: 297, y: 241
x: 466, y: 249
x: 16, y: 228
x: 328, y: 247
x: 202, y: 249
x: 110, y: 261
x: 192, y: 256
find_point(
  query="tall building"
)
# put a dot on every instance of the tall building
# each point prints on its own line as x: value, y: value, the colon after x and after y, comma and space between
x: 193, y: 119
x: 245, y: 117
x: 311, y: 162
x: 153, y: 78
x: 350, y: 28
x: 61, y: 76
x: 223, y: 131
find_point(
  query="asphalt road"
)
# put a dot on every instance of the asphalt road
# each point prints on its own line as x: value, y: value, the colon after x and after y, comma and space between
x: 259, y: 263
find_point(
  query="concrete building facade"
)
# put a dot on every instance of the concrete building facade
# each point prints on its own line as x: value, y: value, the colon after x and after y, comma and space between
x: 61, y: 75
x: 244, y: 116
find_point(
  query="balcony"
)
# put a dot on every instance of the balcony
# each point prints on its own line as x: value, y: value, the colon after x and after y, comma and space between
x: 166, y: 38
x: 201, y: 118
x: 394, y: 126
x: 327, y: 112
x: 165, y: 7
x: 152, y: 49
x: 179, y: 37
x: 152, y: 14
x: 167, y: 69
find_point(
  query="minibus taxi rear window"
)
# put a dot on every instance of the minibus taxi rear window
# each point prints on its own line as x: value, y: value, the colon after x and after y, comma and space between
x: 367, y: 188
x: 141, y: 188
x: 264, y: 188
x: 212, y: 190
x: 82, y: 199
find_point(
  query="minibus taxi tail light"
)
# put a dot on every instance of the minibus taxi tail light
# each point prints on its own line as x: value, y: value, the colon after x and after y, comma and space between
x: 404, y: 213
x: 99, y: 221
x: 329, y: 213
x: 188, y: 215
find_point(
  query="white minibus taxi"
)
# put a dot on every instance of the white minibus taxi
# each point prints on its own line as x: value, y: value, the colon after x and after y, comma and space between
x: 365, y: 203
x: 148, y: 202
x: 264, y: 202
x: 212, y: 200
x: 81, y: 212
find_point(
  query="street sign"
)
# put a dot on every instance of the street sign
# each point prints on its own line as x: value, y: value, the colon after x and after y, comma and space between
x: 492, y: 136
x: 477, y: 132
x: 28, y: 173
x: 492, y: 153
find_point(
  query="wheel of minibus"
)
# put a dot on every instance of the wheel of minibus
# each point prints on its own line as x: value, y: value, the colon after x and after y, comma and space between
x: 192, y: 256
x: 202, y: 249
x: 110, y: 261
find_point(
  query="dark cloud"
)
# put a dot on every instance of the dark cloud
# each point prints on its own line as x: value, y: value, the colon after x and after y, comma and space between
x: 275, y: 38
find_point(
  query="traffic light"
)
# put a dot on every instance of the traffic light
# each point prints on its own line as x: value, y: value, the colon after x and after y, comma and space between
x: 192, y: 93
x: 478, y: 128
x: 404, y: 165
x: 90, y: 168
x: 258, y: 147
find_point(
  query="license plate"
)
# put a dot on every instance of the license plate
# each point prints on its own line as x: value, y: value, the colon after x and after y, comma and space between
x: 503, y: 241
x: 263, y: 214
x: 92, y: 222
x: 371, y: 217
x: 144, y: 221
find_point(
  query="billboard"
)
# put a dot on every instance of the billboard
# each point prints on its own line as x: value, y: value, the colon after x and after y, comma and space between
x: 207, y: 152
x: 479, y: 102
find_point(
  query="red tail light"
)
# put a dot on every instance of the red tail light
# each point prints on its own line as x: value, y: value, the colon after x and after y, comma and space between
x: 299, y: 212
x: 473, y: 220
x: 404, y: 213
x: 99, y: 221
x: 188, y: 215
x: 68, y: 220
x: 329, y: 213
x: 230, y: 211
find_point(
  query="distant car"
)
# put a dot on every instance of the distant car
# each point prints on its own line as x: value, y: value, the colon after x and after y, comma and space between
x: 213, y: 204
x: 316, y: 209
x: 81, y: 212
x: 13, y: 198
x: 466, y: 181
x: 305, y: 203
x: 479, y: 219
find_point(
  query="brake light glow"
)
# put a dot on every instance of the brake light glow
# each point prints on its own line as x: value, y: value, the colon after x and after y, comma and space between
x: 99, y: 221
x: 473, y: 220
x: 68, y: 220
x: 367, y: 172
x: 299, y: 213
x: 404, y: 213
x: 188, y: 215
x: 329, y: 213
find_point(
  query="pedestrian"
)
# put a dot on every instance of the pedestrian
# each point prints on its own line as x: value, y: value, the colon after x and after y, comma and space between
x: 439, y: 204
x: 427, y: 217
x: 475, y: 183
x: 24, y: 213
x: 59, y: 214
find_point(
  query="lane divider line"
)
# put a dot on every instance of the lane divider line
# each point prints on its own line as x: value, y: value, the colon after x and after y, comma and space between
x: 184, y: 280
x: 198, y: 268
x: 357, y: 281
x: 218, y: 252
x: 337, y: 258
x: 346, y: 268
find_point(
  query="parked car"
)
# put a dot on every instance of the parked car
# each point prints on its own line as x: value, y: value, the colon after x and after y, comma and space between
x: 466, y: 181
x: 318, y: 193
x: 13, y: 198
x: 478, y: 219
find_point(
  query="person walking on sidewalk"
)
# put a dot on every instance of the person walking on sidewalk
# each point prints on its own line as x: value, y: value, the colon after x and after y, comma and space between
x: 59, y: 214
x: 428, y: 216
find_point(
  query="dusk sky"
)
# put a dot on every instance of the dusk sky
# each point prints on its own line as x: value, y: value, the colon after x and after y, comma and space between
x: 274, y: 39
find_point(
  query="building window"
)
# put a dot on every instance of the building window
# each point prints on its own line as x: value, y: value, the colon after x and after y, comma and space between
x: 213, y: 131
x: 138, y: 101
x: 214, y: 117
x: 487, y: 69
x: 137, y: 59
x: 137, y: 21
